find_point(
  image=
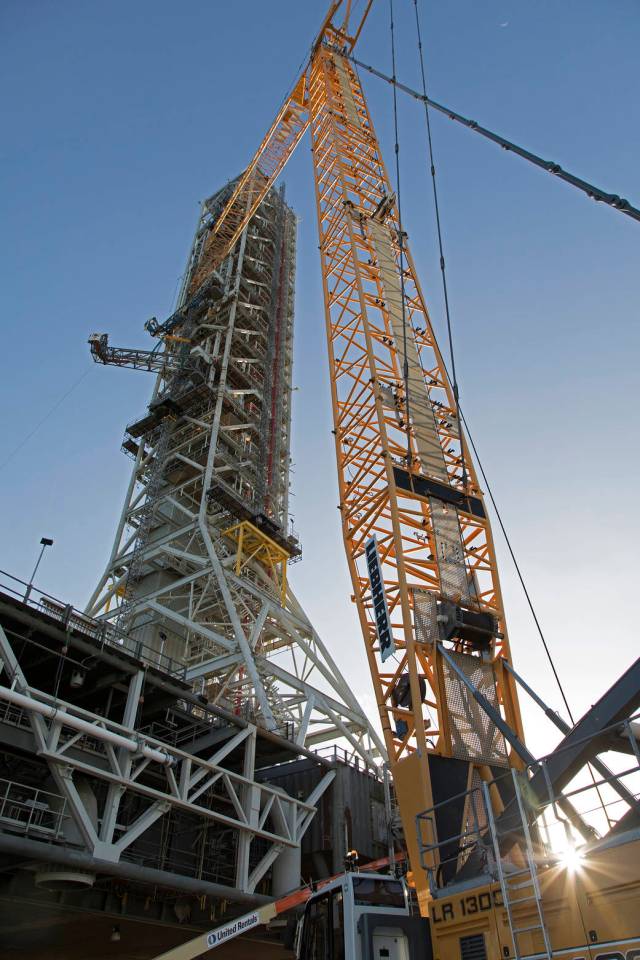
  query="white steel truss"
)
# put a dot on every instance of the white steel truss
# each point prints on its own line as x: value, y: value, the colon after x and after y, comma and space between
x: 83, y: 750
x: 212, y: 454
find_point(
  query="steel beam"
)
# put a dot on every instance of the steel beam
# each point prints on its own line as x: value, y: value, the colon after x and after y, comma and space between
x: 27, y: 849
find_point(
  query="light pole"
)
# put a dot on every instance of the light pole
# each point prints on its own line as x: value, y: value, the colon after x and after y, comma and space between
x: 46, y: 542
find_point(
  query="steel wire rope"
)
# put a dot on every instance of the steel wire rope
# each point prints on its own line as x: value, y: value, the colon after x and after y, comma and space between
x: 452, y: 377
x: 454, y: 382
x: 401, y: 257
x: 530, y: 603
x: 516, y: 565
x: 401, y: 252
x: 53, y: 409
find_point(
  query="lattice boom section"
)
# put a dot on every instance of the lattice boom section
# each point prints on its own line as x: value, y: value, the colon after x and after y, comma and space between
x: 427, y: 539
x: 252, y: 187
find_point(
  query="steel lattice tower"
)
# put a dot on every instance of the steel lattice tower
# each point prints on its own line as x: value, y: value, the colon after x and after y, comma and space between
x: 197, y: 576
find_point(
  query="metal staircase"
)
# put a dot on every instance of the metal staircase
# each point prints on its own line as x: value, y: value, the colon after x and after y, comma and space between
x: 522, y: 885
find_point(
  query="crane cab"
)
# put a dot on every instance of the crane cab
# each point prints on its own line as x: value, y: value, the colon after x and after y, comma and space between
x: 362, y: 916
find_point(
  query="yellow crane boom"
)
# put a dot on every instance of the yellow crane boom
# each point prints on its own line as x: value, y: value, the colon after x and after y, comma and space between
x: 410, y: 500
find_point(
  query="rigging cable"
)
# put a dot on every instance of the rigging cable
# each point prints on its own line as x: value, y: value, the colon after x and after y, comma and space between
x: 44, y: 419
x: 459, y: 414
x: 405, y: 363
x: 443, y: 272
x: 517, y: 568
x: 531, y: 607
x: 593, y: 192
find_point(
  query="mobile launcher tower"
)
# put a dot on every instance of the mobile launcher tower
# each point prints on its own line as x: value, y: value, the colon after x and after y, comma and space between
x: 198, y: 572
x: 174, y: 734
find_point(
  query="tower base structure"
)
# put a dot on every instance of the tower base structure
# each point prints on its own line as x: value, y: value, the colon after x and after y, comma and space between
x: 128, y: 799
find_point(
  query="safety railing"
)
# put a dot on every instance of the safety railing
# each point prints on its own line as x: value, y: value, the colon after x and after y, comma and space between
x: 210, y: 857
x: 101, y: 631
x: 184, y: 726
x: 14, y: 716
x: 17, y: 717
x: 489, y: 822
x: 31, y: 811
x: 336, y: 752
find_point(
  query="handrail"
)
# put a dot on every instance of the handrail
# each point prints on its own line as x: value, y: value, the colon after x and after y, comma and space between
x: 100, y: 630
x: 472, y: 834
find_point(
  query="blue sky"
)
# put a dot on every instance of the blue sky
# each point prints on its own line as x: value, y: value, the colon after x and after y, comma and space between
x: 119, y: 117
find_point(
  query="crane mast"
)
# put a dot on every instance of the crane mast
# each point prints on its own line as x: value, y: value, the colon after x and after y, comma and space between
x: 405, y: 476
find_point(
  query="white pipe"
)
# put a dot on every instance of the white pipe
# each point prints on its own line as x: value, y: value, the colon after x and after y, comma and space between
x: 84, y: 726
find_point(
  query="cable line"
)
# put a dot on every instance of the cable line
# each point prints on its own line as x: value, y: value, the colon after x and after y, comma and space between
x: 614, y: 201
x: 453, y: 377
x: 517, y: 568
x: 405, y: 365
x: 531, y: 608
x: 595, y: 193
x: 53, y: 409
x: 427, y: 102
